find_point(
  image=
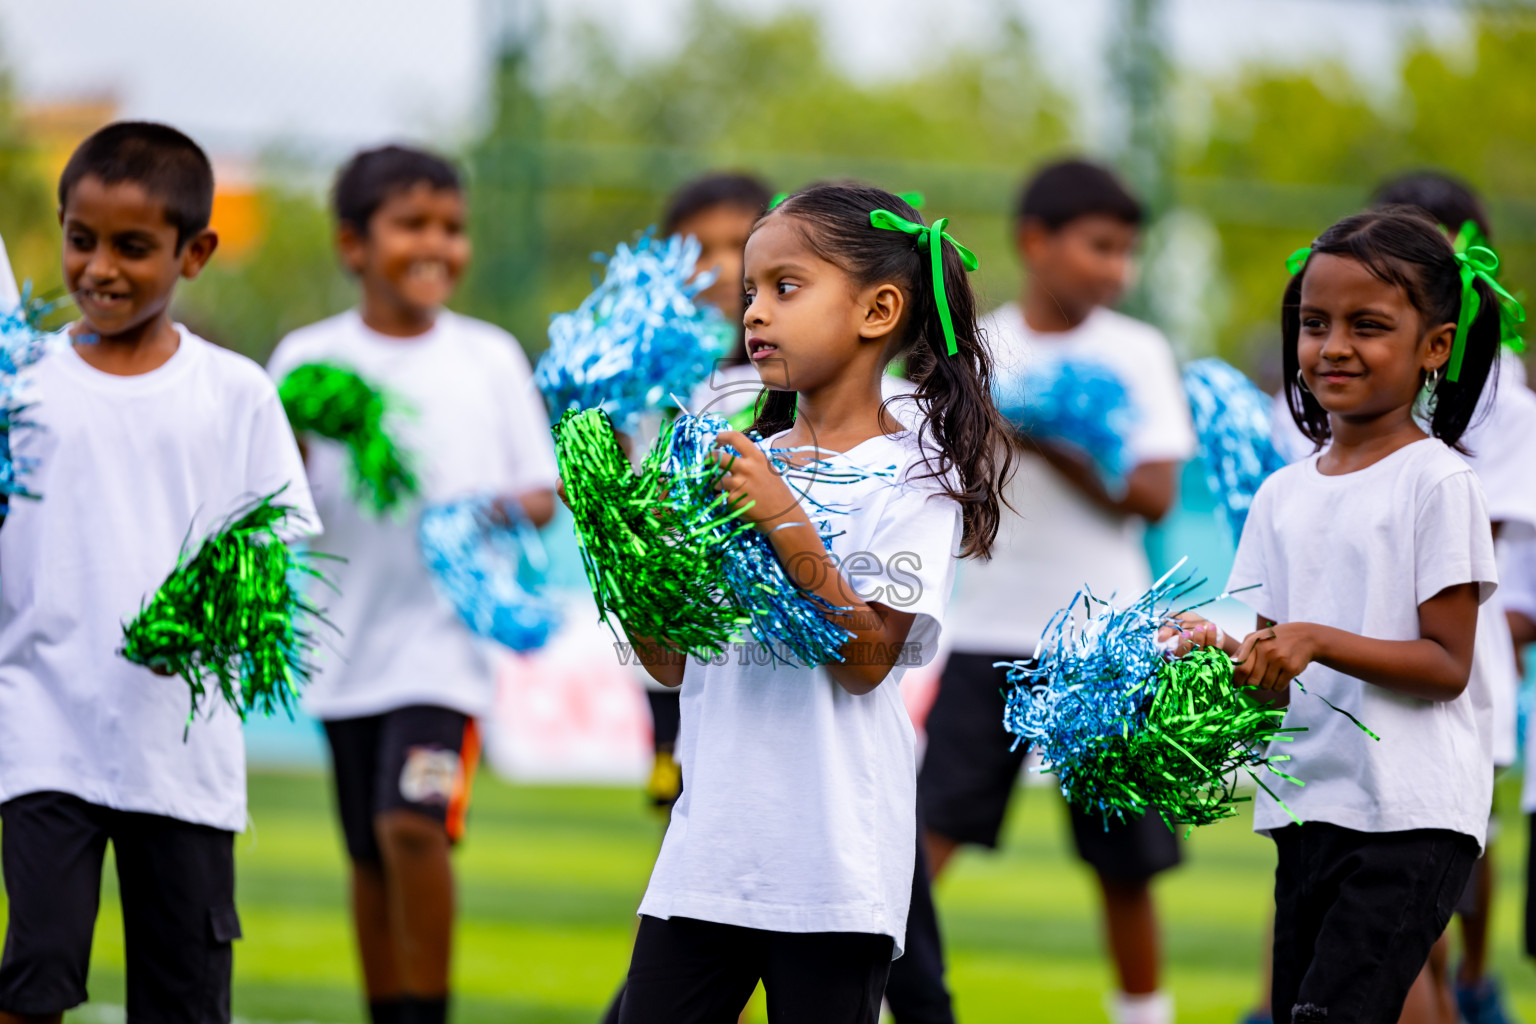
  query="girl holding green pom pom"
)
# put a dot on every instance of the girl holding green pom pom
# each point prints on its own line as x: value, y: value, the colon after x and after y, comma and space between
x: 789, y: 857
x: 1366, y: 564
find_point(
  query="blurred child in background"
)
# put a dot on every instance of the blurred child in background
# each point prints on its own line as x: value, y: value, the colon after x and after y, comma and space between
x: 1076, y: 227
x: 401, y: 688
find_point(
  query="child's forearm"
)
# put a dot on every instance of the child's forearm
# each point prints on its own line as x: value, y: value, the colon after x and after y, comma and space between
x: 663, y: 663
x: 1150, y: 487
x: 879, y: 633
x: 1420, y: 668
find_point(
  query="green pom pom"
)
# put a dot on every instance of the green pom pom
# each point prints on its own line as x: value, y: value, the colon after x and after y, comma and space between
x: 642, y: 550
x: 334, y: 402
x: 1198, y: 732
x: 228, y: 614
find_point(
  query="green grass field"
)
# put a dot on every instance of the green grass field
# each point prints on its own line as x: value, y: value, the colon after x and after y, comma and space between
x: 550, y: 877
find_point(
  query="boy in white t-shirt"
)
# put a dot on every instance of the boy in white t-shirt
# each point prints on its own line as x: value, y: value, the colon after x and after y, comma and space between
x: 399, y: 692
x: 1076, y: 229
x: 143, y: 435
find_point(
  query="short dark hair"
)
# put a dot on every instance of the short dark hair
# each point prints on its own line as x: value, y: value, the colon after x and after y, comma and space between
x: 1061, y: 192
x: 1402, y: 246
x: 161, y: 160
x: 730, y: 188
x: 1444, y: 197
x: 373, y: 175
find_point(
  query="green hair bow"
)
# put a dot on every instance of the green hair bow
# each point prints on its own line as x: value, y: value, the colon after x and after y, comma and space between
x: 1511, y: 314
x: 933, y: 237
x: 1474, y: 262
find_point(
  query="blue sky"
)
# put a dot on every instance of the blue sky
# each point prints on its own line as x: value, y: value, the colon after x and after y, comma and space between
x: 334, y: 74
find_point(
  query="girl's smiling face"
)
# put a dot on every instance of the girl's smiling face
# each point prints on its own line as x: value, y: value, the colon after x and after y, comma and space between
x: 805, y: 318
x: 1363, y: 348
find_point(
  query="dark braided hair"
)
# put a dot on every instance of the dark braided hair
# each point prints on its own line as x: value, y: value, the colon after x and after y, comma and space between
x: 975, y: 444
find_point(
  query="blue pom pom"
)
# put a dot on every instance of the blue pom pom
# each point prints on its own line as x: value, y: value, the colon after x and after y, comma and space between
x: 1078, y: 402
x: 1088, y: 680
x: 1232, y: 424
x: 637, y: 339
x: 784, y: 619
x: 22, y: 343
x: 487, y: 560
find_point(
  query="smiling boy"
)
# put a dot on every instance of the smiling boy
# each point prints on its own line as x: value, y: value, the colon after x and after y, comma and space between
x: 142, y: 434
x: 399, y: 692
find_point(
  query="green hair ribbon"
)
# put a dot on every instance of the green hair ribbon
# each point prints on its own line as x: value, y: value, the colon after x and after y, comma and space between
x: 1478, y: 262
x: 1511, y: 313
x: 1474, y: 261
x: 933, y: 237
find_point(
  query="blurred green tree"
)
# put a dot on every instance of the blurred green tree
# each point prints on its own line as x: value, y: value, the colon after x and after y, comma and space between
x: 608, y: 139
x: 289, y: 278
x: 1285, y: 151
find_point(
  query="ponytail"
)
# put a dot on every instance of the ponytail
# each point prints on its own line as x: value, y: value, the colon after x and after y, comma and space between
x: 975, y: 445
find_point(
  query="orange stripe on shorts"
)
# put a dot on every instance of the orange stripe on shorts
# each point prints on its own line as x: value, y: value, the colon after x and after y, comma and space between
x: 469, y: 760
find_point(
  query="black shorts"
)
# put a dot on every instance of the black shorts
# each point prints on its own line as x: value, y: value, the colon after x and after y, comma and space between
x: 177, y: 883
x: 666, y: 717
x: 1356, y: 914
x: 418, y: 758
x: 685, y: 971
x: 970, y: 770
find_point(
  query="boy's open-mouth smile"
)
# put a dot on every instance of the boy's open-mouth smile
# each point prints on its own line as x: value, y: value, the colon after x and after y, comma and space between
x: 434, y: 271
x: 102, y: 299
x: 760, y: 348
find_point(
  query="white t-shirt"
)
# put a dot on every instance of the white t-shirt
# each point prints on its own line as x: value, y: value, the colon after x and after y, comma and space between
x: 1059, y: 540
x: 470, y: 419
x: 1360, y: 552
x: 1496, y: 444
x: 125, y: 466
x: 799, y: 799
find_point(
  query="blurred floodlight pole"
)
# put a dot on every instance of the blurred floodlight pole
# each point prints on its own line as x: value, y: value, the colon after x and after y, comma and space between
x: 508, y: 168
x: 1139, y: 71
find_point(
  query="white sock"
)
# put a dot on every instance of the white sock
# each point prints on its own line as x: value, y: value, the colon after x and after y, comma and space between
x: 1152, y: 1008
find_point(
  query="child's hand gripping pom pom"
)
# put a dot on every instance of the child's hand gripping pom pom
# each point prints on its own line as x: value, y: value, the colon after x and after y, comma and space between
x: 230, y: 613
x: 782, y: 617
x: 1232, y: 424
x: 1128, y: 727
x: 488, y: 562
x: 1076, y: 402
x: 667, y: 556
x: 652, y: 561
x: 334, y: 402
x: 638, y: 338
